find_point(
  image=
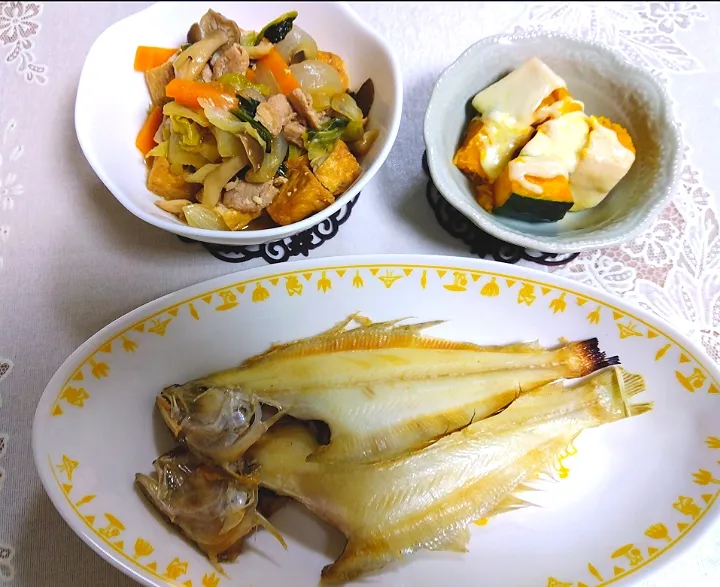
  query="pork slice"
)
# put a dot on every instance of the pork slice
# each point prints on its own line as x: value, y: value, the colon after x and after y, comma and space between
x: 302, y: 103
x: 293, y: 131
x: 250, y: 198
x: 233, y: 60
x: 275, y: 113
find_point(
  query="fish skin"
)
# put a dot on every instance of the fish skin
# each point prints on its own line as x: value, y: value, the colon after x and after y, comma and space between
x: 385, y: 389
x: 425, y: 499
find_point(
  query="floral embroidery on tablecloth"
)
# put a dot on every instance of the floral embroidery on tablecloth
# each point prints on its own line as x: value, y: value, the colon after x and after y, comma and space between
x: 643, y: 31
x: 673, y: 269
x: 7, y: 553
x: 10, y: 188
x: 19, y: 23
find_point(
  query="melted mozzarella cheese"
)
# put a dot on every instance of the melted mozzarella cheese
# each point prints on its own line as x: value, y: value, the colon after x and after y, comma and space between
x: 553, y: 151
x: 519, y: 93
x: 604, y: 163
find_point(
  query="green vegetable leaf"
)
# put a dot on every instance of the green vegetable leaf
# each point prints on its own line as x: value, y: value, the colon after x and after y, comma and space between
x: 264, y: 133
x: 276, y: 30
x: 294, y: 151
x: 238, y: 82
x: 248, y: 104
x: 320, y: 143
x: 188, y: 131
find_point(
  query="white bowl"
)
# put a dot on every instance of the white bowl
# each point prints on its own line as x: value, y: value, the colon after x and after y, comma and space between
x: 609, y: 86
x: 112, y: 99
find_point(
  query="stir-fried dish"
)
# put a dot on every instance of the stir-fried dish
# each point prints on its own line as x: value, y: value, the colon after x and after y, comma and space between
x: 533, y: 154
x: 397, y: 439
x: 250, y: 129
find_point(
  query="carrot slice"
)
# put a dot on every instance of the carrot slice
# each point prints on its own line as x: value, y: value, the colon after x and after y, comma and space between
x: 250, y: 75
x: 145, y: 139
x: 281, y: 72
x: 188, y: 92
x: 150, y: 57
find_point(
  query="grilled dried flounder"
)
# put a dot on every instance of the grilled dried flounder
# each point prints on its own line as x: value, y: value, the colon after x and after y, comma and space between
x: 383, y: 389
x: 427, y: 499
x: 212, y: 507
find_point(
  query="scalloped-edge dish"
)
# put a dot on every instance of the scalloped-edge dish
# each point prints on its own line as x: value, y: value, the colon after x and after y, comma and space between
x: 609, y: 85
x: 106, y: 121
x: 634, y: 495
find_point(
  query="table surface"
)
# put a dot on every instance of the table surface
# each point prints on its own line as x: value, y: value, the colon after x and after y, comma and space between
x: 55, y: 252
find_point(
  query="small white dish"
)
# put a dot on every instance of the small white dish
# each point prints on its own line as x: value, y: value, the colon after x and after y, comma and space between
x: 112, y: 99
x: 636, y: 494
x: 609, y: 86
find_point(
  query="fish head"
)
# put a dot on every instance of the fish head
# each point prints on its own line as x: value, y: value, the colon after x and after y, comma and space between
x: 212, y: 421
x: 213, y: 507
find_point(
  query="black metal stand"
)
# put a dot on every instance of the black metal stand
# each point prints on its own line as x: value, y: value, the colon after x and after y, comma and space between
x: 481, y: 243
x: 282, y: 250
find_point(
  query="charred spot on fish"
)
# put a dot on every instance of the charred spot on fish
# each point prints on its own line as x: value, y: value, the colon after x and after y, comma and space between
x: 591, y: 357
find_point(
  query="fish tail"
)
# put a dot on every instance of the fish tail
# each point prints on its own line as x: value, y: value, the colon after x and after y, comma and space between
x: 589, y: 357
x: 611, y: 392
x: 638, y: 409
x: 631, y: 383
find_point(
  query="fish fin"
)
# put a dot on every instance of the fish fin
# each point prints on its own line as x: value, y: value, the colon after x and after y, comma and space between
x: 372, y: 336
x: 454, y: 542
x: 511, y: 503
x: 213, y: 558
x: 360, y: 319
x: 358, y: 558
x: 265, y: 523
x: 631, y: 383
x: 638, y: 409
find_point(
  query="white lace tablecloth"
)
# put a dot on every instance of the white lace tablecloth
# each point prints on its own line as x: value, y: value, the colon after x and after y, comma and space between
x: 72, y: 259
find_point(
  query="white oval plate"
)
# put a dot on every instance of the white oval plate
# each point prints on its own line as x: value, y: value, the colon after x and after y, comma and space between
x: 636, y: 492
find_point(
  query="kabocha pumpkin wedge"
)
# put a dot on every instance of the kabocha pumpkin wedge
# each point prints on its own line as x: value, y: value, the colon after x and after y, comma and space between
x: 535, y: 185
x: 536, y: 150
x: 382, y: 388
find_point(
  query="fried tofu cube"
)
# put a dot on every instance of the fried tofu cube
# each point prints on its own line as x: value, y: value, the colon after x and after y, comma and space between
x: 157, y: 80
x: 164, y: 183
x: 235, y: 219
x: 337, y: 63
x: 301, y: 196
x: 339, y: 170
